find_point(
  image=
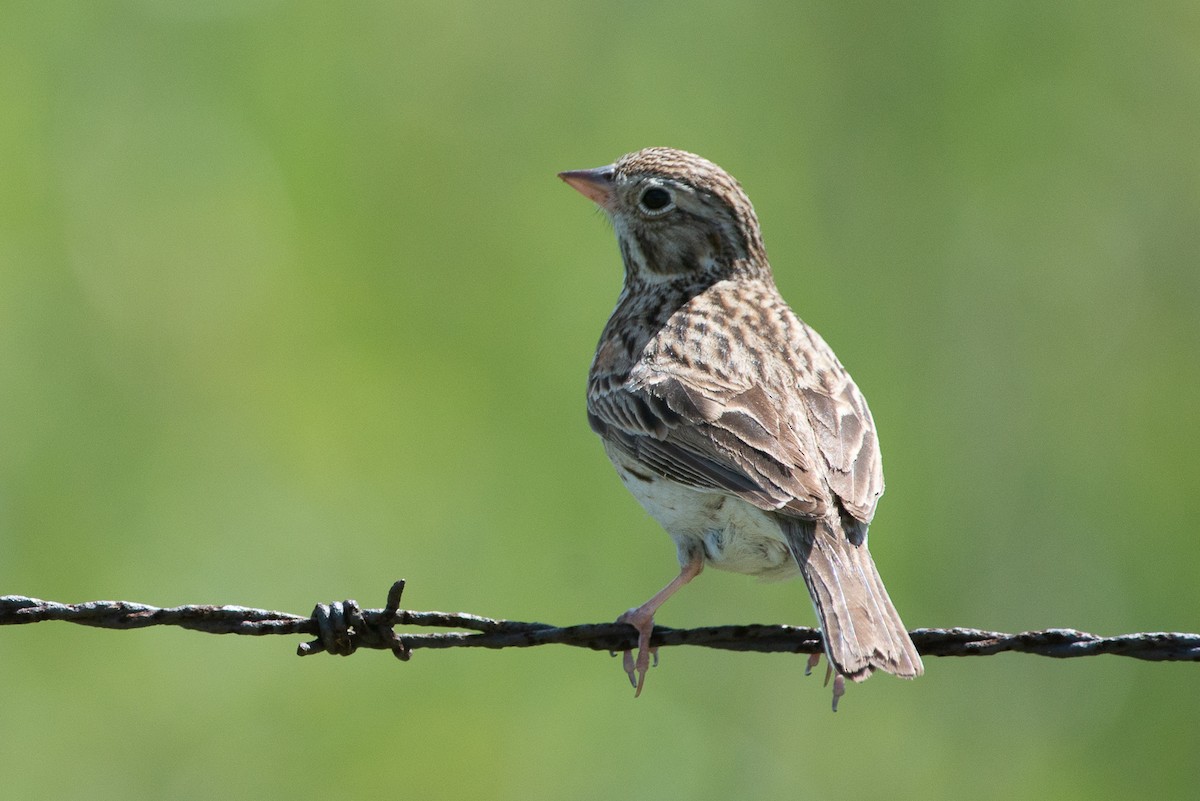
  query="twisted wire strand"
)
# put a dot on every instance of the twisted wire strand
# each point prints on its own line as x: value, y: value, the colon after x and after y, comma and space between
x: 343, y: 627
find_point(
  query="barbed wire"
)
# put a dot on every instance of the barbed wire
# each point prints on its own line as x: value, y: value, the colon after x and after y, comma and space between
x: 343, y: 627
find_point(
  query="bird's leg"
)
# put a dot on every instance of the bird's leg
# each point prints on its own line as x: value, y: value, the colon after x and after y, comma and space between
x: 642, y: 619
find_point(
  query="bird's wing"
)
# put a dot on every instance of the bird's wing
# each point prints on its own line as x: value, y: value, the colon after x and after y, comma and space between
x: 727, y: 438
x: 791, y: 442
x: 841, y: 427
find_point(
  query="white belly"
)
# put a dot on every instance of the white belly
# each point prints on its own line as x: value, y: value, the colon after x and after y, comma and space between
x: 731, y: 533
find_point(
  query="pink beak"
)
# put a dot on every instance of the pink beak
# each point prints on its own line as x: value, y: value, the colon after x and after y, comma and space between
x: 596, y: 185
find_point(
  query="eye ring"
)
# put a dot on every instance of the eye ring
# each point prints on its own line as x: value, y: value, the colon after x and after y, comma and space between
x: 655, y: 201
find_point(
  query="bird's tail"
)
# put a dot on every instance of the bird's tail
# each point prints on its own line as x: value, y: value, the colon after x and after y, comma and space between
x: 862, y: 628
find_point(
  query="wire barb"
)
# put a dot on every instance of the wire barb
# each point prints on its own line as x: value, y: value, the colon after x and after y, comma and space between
x: 342, y: 628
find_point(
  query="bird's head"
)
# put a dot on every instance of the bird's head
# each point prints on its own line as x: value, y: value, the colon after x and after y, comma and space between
x: 676, y: 215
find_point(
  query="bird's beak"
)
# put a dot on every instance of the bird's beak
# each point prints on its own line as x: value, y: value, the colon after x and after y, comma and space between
x: 596, y: 185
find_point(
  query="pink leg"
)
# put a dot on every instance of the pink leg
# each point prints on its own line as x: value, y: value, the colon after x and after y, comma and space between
x: 642, y: 619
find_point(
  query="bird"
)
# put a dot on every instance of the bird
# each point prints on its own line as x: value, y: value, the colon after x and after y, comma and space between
x: 728, y: 418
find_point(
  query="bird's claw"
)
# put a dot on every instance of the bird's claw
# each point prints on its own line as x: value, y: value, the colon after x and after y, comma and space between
x: 636, y: 668
x: 839, y: 681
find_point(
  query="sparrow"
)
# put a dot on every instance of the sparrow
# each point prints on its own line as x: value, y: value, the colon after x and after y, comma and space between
x: 729, y: 419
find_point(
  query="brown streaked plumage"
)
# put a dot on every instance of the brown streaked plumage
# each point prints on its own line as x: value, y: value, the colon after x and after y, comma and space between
x: 728, y: 418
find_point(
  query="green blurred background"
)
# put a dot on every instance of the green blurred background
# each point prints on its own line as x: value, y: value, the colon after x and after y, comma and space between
x: 292, y: 304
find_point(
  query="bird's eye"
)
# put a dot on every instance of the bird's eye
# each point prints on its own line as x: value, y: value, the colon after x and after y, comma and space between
x: 655, y: 201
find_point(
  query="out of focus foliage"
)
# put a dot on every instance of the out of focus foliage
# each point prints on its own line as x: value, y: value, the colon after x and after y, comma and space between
x: 292, y: 304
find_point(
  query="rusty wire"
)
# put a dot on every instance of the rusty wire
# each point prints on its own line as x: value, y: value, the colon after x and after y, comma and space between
x: 343, y: 627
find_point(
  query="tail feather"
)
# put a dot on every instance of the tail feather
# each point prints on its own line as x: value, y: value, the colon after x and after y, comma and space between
x: 862, y: 629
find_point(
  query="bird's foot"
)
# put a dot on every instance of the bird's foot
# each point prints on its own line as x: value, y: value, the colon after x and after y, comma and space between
x: 636, y: 668
x: 839, y: 689
x: 813, y: 661
x: 839, y: 681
